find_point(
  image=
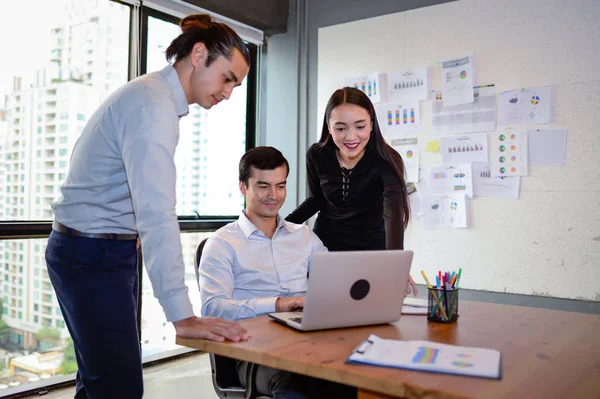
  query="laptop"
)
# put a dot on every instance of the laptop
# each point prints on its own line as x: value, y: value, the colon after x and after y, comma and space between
x: 353, y: 288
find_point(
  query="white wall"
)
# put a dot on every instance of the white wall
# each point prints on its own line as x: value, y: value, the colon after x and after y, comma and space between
x: 548, y: 242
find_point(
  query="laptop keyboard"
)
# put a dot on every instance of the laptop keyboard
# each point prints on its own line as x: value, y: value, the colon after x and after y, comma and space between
x: 296, y: 319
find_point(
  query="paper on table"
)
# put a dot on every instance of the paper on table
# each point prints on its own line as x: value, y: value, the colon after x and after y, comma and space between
x: 414, y: 306
x: 509, y: 151
x: 547, y: 147
x: 485, y: 185
x: 414, y: 310
x: 478, y: 116
x: 395, y: 118
x: 464, y: 149
x: 428, y: 356
x: 416, y: 302
x: 525, y: 106
x: 457, y: 81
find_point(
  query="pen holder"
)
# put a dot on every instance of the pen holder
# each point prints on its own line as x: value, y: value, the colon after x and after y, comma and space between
x: 448, y: 300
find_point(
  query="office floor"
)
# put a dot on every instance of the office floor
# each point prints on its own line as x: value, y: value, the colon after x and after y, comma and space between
x: 184, y: 378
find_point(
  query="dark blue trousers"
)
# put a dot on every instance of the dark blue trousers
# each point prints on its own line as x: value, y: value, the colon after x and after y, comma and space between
x: 96, y: 283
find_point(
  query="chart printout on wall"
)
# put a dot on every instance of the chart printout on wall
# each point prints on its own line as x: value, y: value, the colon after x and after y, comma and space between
x: 486, y: 185
x: 373, y: 85
x: 509, y: 151
x: 478, y: 116
x: 547, y: 147
x: 444, y: 211
x: 457, y: 81
x: 395, y: 118
x: 525, y: 106
x: 408, y: 148
x: 464, y: 149
x: 444, y: 179
x: 408, y: 85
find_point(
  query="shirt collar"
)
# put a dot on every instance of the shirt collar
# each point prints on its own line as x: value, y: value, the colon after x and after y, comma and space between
x: 248, y: 227
x: 176, y: 89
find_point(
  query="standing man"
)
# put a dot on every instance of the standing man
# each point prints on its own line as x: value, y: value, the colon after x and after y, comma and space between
x: 121, y: 183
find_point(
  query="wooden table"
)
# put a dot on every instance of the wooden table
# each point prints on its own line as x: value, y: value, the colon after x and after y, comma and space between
x: 545, y: 353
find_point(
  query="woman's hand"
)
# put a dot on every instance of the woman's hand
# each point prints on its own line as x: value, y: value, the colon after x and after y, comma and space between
x: 411, y: 286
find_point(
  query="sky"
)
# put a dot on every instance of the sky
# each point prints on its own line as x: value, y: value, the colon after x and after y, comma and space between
x: 25, y: 38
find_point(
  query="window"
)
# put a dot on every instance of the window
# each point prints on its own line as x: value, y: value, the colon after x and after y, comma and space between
x: 51, y: 94
x: 71, y: 93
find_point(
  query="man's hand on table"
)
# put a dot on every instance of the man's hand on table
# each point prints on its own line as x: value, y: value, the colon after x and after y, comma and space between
x: 210, y: 328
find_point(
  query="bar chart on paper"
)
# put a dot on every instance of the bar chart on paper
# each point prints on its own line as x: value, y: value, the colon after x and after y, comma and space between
x: 398, y: 118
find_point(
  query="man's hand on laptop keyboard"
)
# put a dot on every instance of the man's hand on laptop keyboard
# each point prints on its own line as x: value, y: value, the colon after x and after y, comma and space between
x: 289, y: 304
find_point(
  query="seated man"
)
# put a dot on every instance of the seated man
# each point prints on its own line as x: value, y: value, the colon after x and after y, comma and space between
x: 259, y: 264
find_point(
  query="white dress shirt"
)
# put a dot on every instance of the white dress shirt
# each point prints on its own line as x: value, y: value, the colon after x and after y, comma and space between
x: 122, y: 179
x: 243, y: 272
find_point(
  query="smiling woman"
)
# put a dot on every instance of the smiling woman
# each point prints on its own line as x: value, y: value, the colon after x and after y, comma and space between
x: 355, y: 180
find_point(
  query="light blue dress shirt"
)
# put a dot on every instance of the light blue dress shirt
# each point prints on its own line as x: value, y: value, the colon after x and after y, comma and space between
x: 243, y: 272
x: 122, y: 179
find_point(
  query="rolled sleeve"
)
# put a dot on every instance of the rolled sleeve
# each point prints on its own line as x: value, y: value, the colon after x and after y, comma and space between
x: 148, y: 149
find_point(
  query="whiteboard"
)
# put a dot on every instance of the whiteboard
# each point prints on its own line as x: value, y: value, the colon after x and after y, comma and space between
x: 546, y: 243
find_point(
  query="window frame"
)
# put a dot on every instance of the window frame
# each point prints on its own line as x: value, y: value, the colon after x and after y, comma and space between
x: 37, y: 228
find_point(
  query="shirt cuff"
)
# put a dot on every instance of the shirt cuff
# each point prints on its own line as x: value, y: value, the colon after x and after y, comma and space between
x: 177, y: 307
x: 265, y: 305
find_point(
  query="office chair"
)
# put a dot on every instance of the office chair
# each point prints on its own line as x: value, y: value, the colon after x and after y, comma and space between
x: 226, y: 381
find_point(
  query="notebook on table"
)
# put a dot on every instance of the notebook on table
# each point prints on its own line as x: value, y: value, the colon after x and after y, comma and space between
x: 414, y: 306
x: 352, y: 288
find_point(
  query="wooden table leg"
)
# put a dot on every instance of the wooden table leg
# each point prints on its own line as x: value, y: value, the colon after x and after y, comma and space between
x: 364, y: 394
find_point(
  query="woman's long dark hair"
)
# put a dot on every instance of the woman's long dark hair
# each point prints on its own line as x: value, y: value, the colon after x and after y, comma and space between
x: 350, y: 95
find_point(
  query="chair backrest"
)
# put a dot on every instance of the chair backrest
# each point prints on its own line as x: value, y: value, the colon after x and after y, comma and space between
x: 198, y: 257
x: 224, y: 370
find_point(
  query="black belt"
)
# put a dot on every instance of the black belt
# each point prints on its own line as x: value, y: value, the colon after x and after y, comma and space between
x: 61, y: 228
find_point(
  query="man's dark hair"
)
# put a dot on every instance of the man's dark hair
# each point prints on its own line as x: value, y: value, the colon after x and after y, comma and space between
x: 218, y: 38
x: 262, y: 158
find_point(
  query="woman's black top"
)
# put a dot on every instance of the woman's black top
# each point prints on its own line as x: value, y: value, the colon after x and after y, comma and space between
x: 359, y: 208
